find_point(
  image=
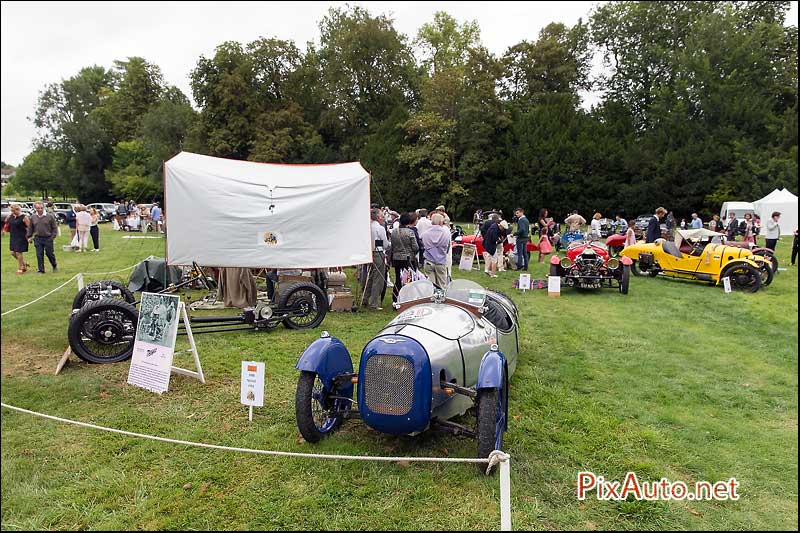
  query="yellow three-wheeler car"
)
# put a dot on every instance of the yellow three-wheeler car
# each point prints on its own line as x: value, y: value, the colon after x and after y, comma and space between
x: 699, y: 254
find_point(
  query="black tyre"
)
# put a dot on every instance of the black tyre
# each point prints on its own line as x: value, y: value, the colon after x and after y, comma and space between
x: 103, y: 331
x: 125, y: 295
x: 308, y: 304
x: 316, y: 414
x: 765, y: 269
x: 490, y: 411
x: 771, y: 256
x: 743, y: 277
x: 626, y: 279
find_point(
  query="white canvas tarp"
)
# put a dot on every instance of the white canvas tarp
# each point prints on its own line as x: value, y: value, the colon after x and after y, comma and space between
x: 783, y: 202
x: 228, y: 213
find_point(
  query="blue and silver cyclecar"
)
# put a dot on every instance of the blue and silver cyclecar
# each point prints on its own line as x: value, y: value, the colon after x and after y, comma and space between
x: 445, y: 352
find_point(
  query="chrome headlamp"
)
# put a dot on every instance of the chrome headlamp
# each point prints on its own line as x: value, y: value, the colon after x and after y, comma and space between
x: 565, y: 262
x: 613, y: 263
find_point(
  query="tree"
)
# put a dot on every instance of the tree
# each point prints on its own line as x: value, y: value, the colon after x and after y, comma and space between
x: 366, y: 71
x: 445, y: 44
x: 139, y: 85
x: 130, y: 176
x: 452, y: 139
x: 558, y: 62
x: 68, y: 120
x: 283, y: 136
x: 43, y: 171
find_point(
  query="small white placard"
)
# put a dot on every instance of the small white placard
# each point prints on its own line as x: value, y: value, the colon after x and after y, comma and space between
x: 726, y: 282
x: 252, y: 383
x: 553, y: 285
x: 525, y: 281
x: 467, y: 257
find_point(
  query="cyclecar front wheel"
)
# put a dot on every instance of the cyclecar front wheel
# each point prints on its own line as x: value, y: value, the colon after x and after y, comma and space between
x: 490, y: 411
x: 317, y: 414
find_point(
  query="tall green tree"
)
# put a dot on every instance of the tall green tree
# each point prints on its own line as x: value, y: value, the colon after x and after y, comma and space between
x: 366, y: 71
x: 68, y: 118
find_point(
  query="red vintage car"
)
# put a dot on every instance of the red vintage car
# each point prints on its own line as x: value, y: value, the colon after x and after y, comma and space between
x: 587, y: 265
x: 459, y: 242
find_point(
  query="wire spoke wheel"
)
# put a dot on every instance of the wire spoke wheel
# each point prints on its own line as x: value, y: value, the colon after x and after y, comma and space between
x: 317, y: 414
x: 307, y: 305
x: 744, y: 278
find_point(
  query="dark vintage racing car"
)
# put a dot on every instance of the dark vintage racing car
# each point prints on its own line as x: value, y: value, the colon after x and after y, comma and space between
x: 104, y: 319
x: 587, y: 265
x: 446, y: 352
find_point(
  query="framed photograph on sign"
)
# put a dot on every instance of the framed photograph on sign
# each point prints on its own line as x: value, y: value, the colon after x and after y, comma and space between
x: 158, y: 319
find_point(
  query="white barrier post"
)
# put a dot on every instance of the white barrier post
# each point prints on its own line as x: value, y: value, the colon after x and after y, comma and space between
x: 80, y: 281
x: 505, y: 494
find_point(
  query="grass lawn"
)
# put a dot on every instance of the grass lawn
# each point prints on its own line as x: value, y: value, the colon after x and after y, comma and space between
x: 676, y: 380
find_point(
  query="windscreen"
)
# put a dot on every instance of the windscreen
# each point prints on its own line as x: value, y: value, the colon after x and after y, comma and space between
x: 465, y: 291
x: 418, y: 290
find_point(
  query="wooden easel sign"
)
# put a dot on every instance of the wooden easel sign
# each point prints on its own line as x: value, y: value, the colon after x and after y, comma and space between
x: 468, y: 254
x: 154, y: 348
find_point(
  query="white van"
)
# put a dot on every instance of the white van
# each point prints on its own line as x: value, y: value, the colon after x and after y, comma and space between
x: 739, y: 208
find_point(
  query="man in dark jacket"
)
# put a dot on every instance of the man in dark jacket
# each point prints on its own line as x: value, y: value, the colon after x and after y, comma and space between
x: 490, y: 238
x: 654, y: 226
x: 733, y: 227
x: 523, y: 235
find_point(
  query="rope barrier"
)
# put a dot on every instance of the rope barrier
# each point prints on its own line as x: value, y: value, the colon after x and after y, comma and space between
x: 66, y: 283
x: 496, y: 457
x: 43, y: 296
x: 114, y: 272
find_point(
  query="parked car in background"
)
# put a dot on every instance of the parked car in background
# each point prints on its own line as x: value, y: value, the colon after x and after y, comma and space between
x: 640, y: 226
x: 587, y: 265
x: 105, y: 210
x: 61, y: 210
x: 27, y: 208
x: 699, y: 254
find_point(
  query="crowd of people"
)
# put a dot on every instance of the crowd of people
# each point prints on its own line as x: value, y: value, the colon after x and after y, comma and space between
x: 130, y: 216
x: 41, y: 228
x: 409, y: 245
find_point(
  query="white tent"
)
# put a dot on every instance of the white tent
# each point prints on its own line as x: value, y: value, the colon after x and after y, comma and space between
x: 228, y: 213
x: 785, y: 203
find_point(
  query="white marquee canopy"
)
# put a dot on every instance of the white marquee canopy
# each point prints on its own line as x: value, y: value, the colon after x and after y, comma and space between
x: 229, y: 213
x: 785, y: 203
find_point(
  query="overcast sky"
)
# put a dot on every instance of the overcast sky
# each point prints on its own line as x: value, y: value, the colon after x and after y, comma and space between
x: 45, y: 42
